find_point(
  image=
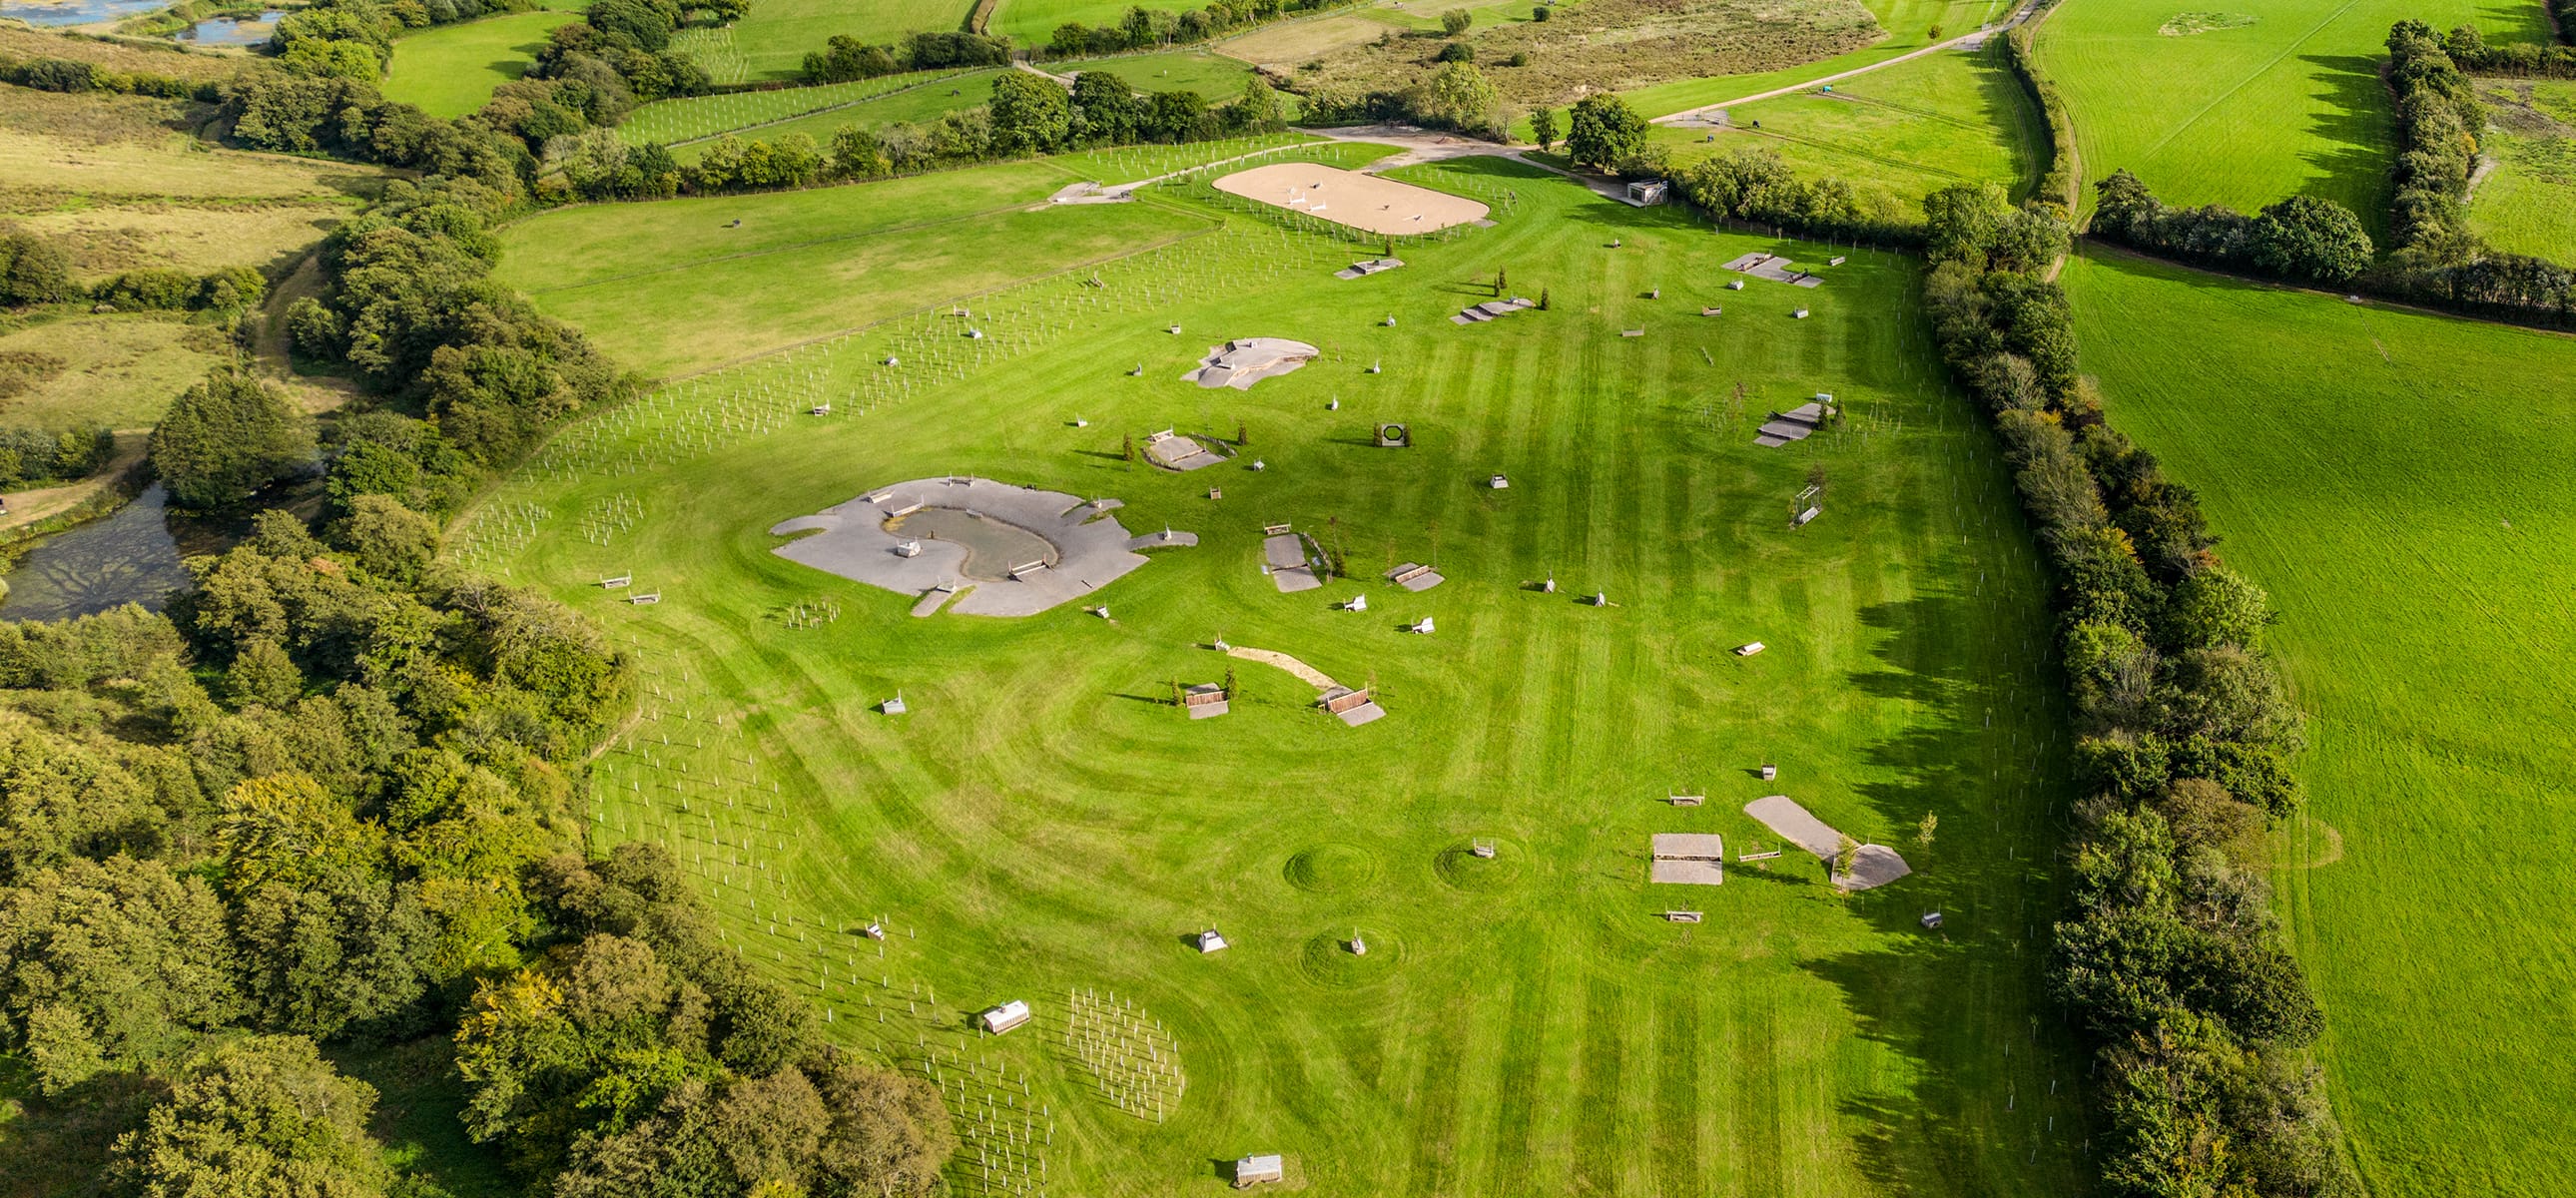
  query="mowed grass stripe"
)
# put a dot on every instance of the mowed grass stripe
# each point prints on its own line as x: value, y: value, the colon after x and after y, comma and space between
x: 1042, y: 823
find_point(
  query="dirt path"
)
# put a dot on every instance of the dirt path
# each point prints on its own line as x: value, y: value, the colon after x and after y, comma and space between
x: 1272, y: 657
x: 27, y: 507
x: 1710, y: 114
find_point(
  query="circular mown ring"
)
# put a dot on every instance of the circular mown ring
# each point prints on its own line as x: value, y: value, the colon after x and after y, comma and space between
x: 1462, y: 869
x: 1330, y: 868
x: 1328, y: 960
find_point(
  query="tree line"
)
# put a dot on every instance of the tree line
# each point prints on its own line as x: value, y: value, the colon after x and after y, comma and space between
x: 844, y: 58
x: 2170, y: 959
x: 1146, y: 28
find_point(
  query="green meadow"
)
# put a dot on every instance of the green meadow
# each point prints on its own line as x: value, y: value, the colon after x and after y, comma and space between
x: 1896, y: 134
x: 776, y: 35
x: 450, y: 70
x: 2527, y: 202
x: 921, y: 103
x: 2246, y: 114
x: 1045, y: 825
x: 2399, y: 483
x: 1213, y: 76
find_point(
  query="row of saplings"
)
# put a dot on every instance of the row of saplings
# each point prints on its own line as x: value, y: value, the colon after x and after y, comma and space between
x: 2171, y: 958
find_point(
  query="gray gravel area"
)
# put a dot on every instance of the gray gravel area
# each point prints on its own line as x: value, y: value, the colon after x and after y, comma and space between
x: 851, y: 540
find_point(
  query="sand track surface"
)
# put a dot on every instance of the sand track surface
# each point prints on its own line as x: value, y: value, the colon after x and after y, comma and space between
x: 1360, y: 201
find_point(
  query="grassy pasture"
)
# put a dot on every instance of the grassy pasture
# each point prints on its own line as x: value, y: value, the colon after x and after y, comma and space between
x: 688, y: 119
x: 1044, y: 823
x: 122, y: 187
x: 917, y: 104
x: 2527, y: 204
x: 2289, y: 104
x: 120, y: 371
x: 776, y: 35
x: 1211, y: 75
x: 1909, y: 25
x: 450, y: 70
x: 1896, y: 135
x: 2399, y: 482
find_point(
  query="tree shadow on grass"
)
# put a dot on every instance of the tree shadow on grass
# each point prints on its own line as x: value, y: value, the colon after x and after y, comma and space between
x: 2352, y: 136
x: 1928, y: 994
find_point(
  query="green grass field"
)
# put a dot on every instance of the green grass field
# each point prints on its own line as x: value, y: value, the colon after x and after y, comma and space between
x: 1043, y: 823
x: 450, y: 70
x: 2527, y: 204
x: 1211, y: 75
x: 1909, y: 25
x: 917, y: 104
x: 774, y: 37
x: 1898, y: 134
x: 2290, y: 104
x: 2399, y: 482
x: 669, y: 121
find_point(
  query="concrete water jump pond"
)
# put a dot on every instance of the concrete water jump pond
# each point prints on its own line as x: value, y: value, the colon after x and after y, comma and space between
x: 1002, y: 550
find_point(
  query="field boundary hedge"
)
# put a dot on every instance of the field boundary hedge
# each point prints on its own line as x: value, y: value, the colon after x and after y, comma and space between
x: 2170, y: 961
x: 2063, y: 181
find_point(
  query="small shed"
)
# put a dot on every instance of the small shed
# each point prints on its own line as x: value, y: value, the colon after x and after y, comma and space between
x: 1253, y: 1170
x: 1646, y: 193
x: 1005, y: 1017
x: 1498, y: 482
x: 1210, y: 941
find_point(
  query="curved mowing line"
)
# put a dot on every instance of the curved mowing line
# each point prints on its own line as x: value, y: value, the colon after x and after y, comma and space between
x: 2259, y: 72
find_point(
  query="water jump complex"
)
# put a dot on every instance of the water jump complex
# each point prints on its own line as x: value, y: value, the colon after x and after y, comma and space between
x: 992, y: 548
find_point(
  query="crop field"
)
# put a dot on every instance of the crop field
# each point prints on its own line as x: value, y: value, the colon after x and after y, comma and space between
x: 2244, y: 114
x: 776, y: 35
x: 1045, y: 825
x: 1908, y: 26
x: 1897, y: 134
x: 916, y: 104
x: 2399, y: 484
x: 670, y: 121
x: 2527, y: 204
x: 450, y: 70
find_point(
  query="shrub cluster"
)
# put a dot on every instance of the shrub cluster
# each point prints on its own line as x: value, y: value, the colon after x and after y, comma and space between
x: 2302, y: 239
x: 2170, y: 958
x: 844, y: 58
x: 29, y: 455
x: 73, y: 75
x: 34, y: 270
x: 1143, y: 28
x: 160, y: 289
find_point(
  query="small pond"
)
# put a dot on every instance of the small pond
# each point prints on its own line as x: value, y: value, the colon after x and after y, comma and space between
x: 241, y: 29
x: 992, y: 547
x: 77, y: 12
x: 129, y: 557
